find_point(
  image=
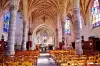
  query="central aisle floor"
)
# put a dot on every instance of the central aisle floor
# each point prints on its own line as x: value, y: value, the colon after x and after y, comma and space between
x: 45, y: 60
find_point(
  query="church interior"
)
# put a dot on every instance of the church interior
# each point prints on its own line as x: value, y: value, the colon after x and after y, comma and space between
x: 49, y: 32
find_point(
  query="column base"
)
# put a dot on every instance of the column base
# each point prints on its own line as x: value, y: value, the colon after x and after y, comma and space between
x: 79, y: 52
x: 56, y: 47
x: 23, y: 47
x: 33, y: 47
x: 78, y: 47
x: 68, y: 48
x: 10, y: 53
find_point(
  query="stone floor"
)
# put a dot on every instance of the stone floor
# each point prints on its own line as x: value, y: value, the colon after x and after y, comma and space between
x: 45, y: 60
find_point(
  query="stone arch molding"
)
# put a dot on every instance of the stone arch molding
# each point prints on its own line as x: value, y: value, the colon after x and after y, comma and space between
x: 43, y: 28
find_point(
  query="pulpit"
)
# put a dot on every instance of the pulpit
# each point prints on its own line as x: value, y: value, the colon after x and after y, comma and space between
x: 44, y: 47
x: 92, y: 46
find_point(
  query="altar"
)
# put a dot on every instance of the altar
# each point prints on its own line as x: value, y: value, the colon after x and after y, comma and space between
x: 43, y: 47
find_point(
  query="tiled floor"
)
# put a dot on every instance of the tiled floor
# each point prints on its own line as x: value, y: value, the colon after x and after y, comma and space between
x: 45, y: 60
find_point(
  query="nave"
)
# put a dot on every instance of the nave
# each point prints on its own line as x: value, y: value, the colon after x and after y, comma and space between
x: 53, y: 58
x: 45, y: 60
x: 49, y: 32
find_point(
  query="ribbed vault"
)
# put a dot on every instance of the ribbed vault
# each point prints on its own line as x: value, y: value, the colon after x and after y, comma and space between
x: 48, y: 8
x: 4, y: 4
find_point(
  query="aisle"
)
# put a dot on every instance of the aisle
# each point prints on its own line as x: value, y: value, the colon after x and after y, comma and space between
x: 45, y: 60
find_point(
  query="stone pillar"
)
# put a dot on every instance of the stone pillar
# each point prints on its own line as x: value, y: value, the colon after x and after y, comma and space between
x: 59, y: 29
x: 63, y: 31
x: 30, y: 39
x: 14, y: 5
x: 25, y: 35
x: 76, y: 19
x: 62, y: 14
x: 56, y: 45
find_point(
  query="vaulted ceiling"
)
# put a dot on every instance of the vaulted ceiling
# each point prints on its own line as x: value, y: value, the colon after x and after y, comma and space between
x: 48, y: 8
x: 52, y: 8
x: 85, y: 7
x: 4, y: 4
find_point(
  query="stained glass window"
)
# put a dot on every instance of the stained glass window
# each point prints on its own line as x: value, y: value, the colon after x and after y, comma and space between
x: 6, y: 21
x: 96, y: 14
x: 67, y: 26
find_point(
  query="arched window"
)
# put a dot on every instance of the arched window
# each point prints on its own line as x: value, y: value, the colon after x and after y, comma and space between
x: 67, y: 27
x: 95, y: 14
x: 6, y: 21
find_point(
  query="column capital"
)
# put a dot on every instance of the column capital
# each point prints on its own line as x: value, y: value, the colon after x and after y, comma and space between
x: 14, y: 4
x: 24, y: 22
x: 56, y: 29
x: 63, y: 38
x: 76, y: 6
x: 76, y: 10
x: 14, y: 7
x: 76, y: 3
x: 62, y: 22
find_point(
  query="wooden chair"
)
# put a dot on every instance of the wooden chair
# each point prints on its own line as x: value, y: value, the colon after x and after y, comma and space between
x: 90, y: 63
x: 1, y: 64
x: 82, y: 62
x: 97, y: 62
x: 13, y: 63
x: 26, y: 63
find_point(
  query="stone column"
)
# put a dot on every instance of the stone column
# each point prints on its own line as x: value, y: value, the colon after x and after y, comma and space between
x: 62, y: 17
x: 76, y: 19
x: 25, y: 35
x: 63, y: 31
x: 30, y: 39
x: 56, y: 45
x: 14, y: 5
